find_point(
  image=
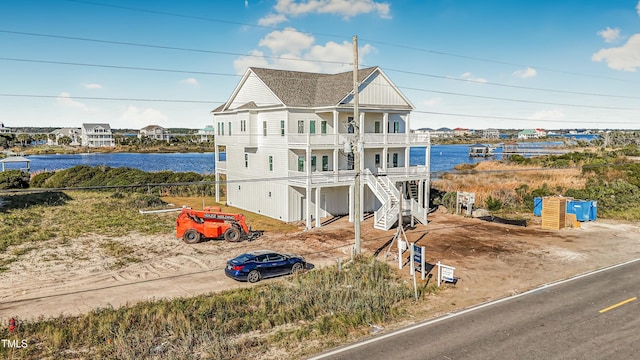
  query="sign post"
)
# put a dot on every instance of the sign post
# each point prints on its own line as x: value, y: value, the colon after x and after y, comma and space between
x: 445, y: 273
x: 418, y: 260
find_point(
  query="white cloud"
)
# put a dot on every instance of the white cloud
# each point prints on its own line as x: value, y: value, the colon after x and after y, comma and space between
x: 468, y: 76
x: 272, y: 19
x: 555, y: 114
x: 66, y: 100
x: 526, y: 73
x: 190, y: 81
x: 135, y: 118
x: 291, y: 50
x: 610, y: 35
x: 286, y: 41
x: 92, y: 86
x: 433, y: 102
x: 625, y: 57
x: 345, y: 8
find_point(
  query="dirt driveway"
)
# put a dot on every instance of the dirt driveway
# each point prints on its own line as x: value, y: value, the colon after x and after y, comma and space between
x: 492, y: 260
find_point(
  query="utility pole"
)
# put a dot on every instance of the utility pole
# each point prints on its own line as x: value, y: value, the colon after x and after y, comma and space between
x: 356, y: 151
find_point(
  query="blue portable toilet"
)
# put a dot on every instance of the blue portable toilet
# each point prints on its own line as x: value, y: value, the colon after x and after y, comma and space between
x: 593, y: 210
x: 537, y: 206
x: 585, y: 210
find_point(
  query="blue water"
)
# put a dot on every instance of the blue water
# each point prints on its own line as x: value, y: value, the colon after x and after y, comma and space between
x: 443, y: 158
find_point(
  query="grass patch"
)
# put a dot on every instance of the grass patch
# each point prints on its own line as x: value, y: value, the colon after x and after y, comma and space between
x: 34, y: 218
x: 322, y: 307
x: 124, y: 254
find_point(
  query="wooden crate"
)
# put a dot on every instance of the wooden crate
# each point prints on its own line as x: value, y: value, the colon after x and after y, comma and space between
x: 554, y: 212
x: 572, y: 221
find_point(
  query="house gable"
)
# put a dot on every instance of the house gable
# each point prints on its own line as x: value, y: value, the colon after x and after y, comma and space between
x: 252, y: 89
x: 378, y: 91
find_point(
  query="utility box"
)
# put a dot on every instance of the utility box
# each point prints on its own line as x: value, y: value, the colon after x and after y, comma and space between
x: 554, y: 212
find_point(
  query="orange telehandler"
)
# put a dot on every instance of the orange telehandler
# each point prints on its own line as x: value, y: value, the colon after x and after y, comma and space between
x: 194, y: 225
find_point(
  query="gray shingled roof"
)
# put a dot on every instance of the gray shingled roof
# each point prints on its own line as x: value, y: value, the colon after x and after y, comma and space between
x: 305, y: 89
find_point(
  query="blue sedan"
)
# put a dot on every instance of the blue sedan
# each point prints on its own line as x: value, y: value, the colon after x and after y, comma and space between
x: 263, y: 264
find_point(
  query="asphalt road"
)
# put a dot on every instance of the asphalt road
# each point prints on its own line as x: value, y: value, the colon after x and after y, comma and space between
x: 590, y: 317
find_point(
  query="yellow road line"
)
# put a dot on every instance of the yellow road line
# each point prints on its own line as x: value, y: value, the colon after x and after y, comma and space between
x: 618, y: 304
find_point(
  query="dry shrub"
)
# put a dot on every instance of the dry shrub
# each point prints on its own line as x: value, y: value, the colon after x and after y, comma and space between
x: 499, y: 180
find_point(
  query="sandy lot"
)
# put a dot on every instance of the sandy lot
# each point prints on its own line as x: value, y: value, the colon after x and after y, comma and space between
x: 492, y: 261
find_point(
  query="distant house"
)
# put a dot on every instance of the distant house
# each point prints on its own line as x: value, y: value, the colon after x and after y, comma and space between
x: 207, y: 133
x: 541, y: 133
x: 461, y: 132
x: 4, y: 130
x: 490, y: 134
x: 97, y: 135
x: 528, y: 134
x: 75, y: 134
x: 155, y: 132
x: 439, y: 133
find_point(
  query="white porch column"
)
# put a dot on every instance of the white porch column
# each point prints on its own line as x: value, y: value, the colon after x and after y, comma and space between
x: 335, y: 161
x: 385, y: 155
x: 361, y: 122
x: 421, y: 192
x: 407, y: 153
x: 351, y: 202
x: 217, y: 174
x: 318, y: 194
x: 307, y: 170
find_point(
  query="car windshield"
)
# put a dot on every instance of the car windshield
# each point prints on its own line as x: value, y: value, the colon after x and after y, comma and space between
x: 244, y: 258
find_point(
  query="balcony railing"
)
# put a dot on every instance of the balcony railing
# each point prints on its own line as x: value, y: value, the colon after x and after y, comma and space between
x: 368, y: 138
x: 322, y: 177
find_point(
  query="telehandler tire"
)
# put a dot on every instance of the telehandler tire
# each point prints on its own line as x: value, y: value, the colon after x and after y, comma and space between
x: 191, y: 236
x: 232, y: 234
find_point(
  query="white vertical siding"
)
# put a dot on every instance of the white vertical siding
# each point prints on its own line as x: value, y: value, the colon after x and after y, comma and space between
x: 377, y: 90
x: 254, y: 90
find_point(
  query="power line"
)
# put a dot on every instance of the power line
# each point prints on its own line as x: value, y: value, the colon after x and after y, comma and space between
x: 108, y: 98
x: 169, y: 47
x: 373, y: 41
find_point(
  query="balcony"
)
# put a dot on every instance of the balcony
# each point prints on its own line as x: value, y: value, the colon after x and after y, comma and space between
x: 332, y: 140
x: 342, y: 177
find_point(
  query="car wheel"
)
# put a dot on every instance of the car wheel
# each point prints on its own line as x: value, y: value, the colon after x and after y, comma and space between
x: 254, y: 276
x: 191, y: 236
x: 232, y: 234
x: 297, y: 267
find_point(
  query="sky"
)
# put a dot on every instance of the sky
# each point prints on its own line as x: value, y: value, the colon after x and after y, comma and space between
x: 507, y: 64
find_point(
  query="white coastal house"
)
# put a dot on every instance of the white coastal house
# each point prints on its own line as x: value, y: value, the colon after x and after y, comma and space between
x: 287, y: 138
x: 206, y: 134
x: 75, y: 134
x: 97, y: 135
x: 155, y: 132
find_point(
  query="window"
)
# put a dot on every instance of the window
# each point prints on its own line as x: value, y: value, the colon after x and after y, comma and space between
x: 323, y: 127
x: 243, y: 125
x: 350, y: 161
x: 246, y: 160
x: 270, y: 163
x: 376, y: 127
x: 229, y: 127
x: 312, y: 127
x: 377, y: 160
x: 350, y: 128
x: 221, y: 128
x: 300, y: 163
x: 313, y: 163
x: 264, y: 128
x: 396, y: 127
x: 325, y: 163
x: 281, y: 127
x: 300, y: 126
x: 395, y: 159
